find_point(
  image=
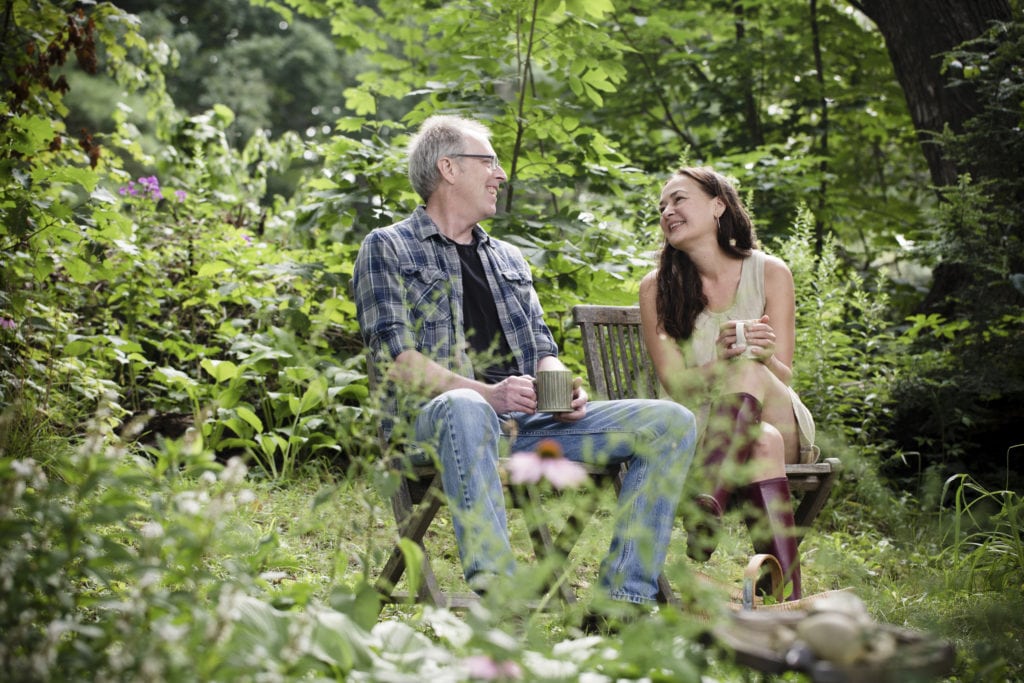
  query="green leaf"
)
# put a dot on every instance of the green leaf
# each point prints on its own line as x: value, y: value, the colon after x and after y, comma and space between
x: 79, y: 270
x: 175, y: 376
x: 591, y: 8
x: 220, y: 370
x: 78, y: 347
x: 31, y: 134
x: 250, y: 417
x: 231, y: 395
x: 313, y: 396
x: 85, y: 177
x: 339, y: 641
x: 269, y: 444
x: 213, y: 268
x: 360, y: 101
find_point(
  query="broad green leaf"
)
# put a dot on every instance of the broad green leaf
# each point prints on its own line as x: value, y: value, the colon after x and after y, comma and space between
x: 230, y: 396
x: 79, y: 347
x: 269, y: 444
x: 592, y: 8
x: 31, y: 134
x: 360, y: 101
x: 220, y: 370
x: 103, y: 195
x: 213, y: 268
x: 175, y: 375
x: 124, y: 345
x: 79, y: 270
x: 85, y: 177
x: 250, y: 417
x: 340, y: 641
x: 313, y: 396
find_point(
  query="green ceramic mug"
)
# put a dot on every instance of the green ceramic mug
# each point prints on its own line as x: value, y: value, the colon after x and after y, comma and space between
x: 554, y: 391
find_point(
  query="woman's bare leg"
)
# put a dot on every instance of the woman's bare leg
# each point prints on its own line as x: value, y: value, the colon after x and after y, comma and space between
x: 755, y: 379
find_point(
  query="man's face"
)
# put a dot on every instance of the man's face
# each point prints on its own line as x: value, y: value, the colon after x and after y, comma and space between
x: 479, y: 176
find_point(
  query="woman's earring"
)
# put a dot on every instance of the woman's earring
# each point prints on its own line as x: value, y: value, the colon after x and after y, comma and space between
x: 718, y: 223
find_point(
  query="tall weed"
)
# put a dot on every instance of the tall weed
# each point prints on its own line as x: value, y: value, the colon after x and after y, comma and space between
x: 843, y: 367
x: 983, y: 543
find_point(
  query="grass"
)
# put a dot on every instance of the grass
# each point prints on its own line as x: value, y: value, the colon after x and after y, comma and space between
x: 260, y: 560
x: 886, y: 550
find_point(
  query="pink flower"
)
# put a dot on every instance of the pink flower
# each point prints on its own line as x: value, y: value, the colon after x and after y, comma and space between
x: 7, y: 324
x: 548, y: 463
x: 151, y: 185
x: 484, y: 668
x: 180, y: 195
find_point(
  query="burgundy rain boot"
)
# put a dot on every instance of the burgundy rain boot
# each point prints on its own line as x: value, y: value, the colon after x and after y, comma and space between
x: 773, y: 504
x: 731, y: 431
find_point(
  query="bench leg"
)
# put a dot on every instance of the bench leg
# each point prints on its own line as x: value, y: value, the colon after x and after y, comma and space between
x: 813, y: 501
x: 527, y: 499
x: 413, y: 521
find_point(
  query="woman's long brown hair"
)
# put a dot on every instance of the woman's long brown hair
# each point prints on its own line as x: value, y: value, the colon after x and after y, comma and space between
x: 680, y: 293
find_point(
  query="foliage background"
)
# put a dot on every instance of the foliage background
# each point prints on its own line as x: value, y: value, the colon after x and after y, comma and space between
x: 184, y: 187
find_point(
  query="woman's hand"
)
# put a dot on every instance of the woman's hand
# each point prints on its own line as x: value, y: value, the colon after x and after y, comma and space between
x: 759, y: 338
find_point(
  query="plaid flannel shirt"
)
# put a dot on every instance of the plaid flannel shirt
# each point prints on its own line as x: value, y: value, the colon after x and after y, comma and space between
x: 408, y: 290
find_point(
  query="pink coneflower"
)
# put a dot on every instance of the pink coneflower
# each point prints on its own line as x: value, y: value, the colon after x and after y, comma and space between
x: 7, y: 324
x: 484, y: 668
x: 525, y: 467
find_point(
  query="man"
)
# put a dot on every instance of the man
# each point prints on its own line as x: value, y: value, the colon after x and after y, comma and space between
x: 454, y: 312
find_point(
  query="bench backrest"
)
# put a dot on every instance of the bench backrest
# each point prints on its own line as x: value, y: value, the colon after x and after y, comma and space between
x: 617, y: 360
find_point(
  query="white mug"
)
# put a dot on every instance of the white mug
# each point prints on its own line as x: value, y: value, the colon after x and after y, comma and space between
x: 741, y: 339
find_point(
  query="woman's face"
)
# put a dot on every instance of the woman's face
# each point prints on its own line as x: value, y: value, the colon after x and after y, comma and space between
x: 687, y: 212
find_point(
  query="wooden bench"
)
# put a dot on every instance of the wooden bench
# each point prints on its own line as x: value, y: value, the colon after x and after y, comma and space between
x: 619, y: 366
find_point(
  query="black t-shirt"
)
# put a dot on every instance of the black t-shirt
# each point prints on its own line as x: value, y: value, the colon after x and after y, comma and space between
x: 480, y: 316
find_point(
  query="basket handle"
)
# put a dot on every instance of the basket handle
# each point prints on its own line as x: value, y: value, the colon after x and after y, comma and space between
x: 753, y: 572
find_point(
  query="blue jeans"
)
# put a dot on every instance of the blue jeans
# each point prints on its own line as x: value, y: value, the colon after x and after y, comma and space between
x: 655, y: 438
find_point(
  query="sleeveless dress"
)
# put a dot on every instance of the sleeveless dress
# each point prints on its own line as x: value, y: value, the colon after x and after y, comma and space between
x: 748, y: 304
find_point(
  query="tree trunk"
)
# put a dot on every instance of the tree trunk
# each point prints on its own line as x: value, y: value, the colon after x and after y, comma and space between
x: 819, y: 67
x: 917, y: 33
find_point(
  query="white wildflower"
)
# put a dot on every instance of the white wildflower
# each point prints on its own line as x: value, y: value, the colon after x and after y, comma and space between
x: 152, y: 530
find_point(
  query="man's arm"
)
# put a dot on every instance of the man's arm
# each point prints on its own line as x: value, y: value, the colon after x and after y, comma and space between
x: 513, y: 394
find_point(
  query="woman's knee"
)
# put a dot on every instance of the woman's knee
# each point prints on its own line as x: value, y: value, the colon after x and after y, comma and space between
x: 769, y: 444
x: 768, y: 457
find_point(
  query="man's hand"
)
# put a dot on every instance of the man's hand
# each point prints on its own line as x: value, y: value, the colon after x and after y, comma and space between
x: 579, y: 403
x: 514, y: 395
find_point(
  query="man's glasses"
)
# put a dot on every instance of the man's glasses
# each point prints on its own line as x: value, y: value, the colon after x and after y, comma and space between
x: 492, y: 160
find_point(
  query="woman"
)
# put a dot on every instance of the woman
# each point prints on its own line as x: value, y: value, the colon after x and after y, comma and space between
x: 711, y: 276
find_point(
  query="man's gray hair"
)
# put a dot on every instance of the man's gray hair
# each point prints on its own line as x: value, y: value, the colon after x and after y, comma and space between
x: 439, y: 136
